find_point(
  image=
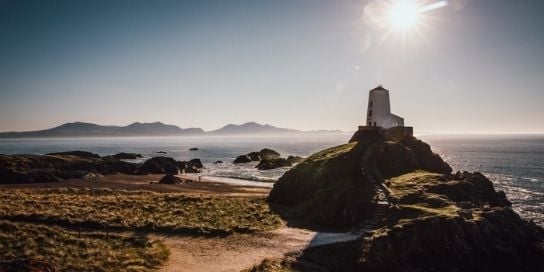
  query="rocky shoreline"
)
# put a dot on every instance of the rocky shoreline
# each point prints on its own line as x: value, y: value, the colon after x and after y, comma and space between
x: 61, y: 166
x: 412, y: 213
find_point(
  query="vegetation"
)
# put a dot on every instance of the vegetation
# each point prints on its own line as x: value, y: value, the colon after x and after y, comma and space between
x: 272, y: 265
x: 70, y: 251
x: 410, y: 192
x: 143, y: 210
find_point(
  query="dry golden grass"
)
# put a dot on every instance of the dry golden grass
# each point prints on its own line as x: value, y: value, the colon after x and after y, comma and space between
x: 143, y: 210
x: 69, y: 251
x: 272, y: 265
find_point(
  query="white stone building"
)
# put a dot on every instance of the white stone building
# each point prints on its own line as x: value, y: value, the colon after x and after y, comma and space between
x: 379, y: 110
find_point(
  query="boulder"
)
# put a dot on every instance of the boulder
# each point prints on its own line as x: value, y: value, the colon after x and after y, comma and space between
x: 77, y: 153
x: 161, y: 152
x: 218, y: 162
x: 160, y: 165
x: 254, y: 156
x: 273, y: 163
x: 242, y: 159
x: 193, y: 149
x: 196, y: 163
x: 268, y: 154
x: 170, y: 179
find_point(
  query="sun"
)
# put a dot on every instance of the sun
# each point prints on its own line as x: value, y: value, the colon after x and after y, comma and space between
x: 404, y: 14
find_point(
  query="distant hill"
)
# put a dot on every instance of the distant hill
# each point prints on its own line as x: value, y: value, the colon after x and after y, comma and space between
x: 251, y: 128
x: 80, y: 129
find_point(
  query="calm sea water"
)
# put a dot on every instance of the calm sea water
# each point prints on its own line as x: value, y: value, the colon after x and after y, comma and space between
x: 514, y: 163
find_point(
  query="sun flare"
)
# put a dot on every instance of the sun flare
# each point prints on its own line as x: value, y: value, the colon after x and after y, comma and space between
x: 404, y: 14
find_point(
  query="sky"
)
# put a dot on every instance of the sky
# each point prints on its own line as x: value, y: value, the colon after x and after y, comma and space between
x: 471, y: 66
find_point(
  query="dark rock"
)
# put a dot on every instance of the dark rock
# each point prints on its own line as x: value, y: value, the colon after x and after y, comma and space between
x: 427, y: 160
x: 254, y: 156
x: 26, y: 265
x: 181, y: 164
x: 170, y: 179
x: 52, y: 168
x: 426, y: 220
x: 294, y: 159
x: 335, y: 185
x: 242, y: 159
x: 470, y: 187
x: 501, y: 241
x: 328, y: 186
x: 160, y: 165
x: 193, y: 149
x: 394, y: 159
x: 161, y: 152
x: 191, y: 169
x: 269, y: 154
x: 272, y: 164
x: 196, y: 163
x: 217, y: 162
x: 80, y: 154
x: 126, y: 156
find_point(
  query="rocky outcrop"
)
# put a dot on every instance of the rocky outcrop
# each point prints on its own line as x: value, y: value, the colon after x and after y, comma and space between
x: 264, y: 154
x: 160, y: 165
x: 498, y: 241
x: 196, y: 163
x: 273, y: 164
x: 432, y: 221
x: 193, y: 149
x: 254, y: 156
x: 52, y: 168
x: 268, y: 154
x: 242, y: 159
x: 77, y: 153
x: 126, y: 156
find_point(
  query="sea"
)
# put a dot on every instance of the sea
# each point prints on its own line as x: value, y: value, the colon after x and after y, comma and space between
x: 515, y: 163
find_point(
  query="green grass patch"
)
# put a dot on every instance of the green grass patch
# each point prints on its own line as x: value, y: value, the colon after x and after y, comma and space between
x: 143, y: 210
x: 332, y: 152
x: 69, y: 251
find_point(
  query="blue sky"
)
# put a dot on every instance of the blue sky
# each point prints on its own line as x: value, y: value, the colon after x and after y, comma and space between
x: 297, y: 64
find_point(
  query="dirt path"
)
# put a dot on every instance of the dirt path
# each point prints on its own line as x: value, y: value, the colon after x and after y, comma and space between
x: 240, y: 251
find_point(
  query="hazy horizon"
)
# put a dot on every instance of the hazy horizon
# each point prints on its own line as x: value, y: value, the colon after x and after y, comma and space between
x: 468, y: 67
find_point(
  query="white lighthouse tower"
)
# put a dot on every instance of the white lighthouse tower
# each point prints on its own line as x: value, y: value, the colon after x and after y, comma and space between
x: 379, y: 110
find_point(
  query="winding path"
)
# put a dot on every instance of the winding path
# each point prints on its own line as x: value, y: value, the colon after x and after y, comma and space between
x: 241, y: 251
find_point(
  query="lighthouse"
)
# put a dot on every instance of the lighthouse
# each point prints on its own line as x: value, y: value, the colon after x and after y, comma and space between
x: 379, y: 110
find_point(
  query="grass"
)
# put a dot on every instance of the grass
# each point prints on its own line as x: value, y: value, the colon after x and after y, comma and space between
x: 143, y: 211
x: 272, y: 265
x: 415, y: 203
x: 69, y: 251
x: 331, y: 152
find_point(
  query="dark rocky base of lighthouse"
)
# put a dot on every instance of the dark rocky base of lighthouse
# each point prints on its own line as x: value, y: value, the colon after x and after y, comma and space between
x: 412, y: 214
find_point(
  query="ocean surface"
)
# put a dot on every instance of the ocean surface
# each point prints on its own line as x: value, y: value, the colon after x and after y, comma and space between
x: 515, y: 163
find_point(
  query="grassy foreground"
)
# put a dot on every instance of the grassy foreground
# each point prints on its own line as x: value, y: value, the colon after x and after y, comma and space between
x: 69, y: 251
x: 143, y: 210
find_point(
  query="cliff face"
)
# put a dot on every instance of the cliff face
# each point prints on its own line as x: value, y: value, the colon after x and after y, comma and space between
x: 429, y: 219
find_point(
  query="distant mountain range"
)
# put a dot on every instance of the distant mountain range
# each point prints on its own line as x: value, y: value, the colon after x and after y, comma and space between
x: 80, y: 129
